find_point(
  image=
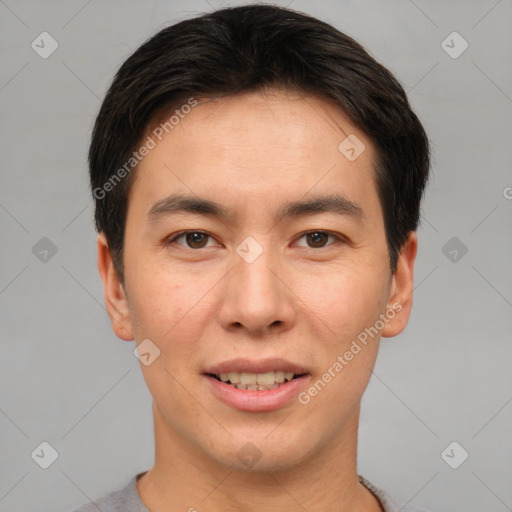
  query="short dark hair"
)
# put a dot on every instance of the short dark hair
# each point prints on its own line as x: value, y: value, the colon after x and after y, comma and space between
x: 252, y: 48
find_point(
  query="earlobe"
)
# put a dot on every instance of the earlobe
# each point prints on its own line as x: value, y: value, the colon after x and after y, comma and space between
x: 115, y: 296
x: 400, y: 302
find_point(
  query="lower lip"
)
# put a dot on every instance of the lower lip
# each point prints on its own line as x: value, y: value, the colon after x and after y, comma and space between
x: 257, y: 401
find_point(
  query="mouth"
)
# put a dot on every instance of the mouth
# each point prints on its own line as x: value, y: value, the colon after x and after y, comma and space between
x: 256, y: 381
x: 256, y: 385
x: 261, y: 390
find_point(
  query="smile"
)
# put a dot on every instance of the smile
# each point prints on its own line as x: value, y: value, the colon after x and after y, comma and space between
x: 255, y: 381
x: 256, y: 397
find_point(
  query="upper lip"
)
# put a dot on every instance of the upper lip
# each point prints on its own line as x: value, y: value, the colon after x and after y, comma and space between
x: 256, y: 366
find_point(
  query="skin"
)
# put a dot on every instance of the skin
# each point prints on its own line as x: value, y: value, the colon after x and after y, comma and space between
x: 254, y: 152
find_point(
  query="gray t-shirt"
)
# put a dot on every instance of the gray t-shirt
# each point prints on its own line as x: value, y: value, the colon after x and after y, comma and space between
x: 128, y: 500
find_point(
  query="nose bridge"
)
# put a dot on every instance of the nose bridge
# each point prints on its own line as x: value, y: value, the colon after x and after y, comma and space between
x: 256, y: 283
x: 256, y: 276
x: 256, y: 297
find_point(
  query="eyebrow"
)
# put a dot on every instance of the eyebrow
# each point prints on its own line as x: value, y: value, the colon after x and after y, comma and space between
x: 177, y: 203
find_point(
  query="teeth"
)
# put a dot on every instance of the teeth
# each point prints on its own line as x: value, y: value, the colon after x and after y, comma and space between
x: 265, y: 378
x: 234, y: 377
x: 248, y: 378
x: 256, y: 387
x: 254, y: 381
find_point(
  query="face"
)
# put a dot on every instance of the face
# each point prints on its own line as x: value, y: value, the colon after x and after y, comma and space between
x: 273, y: 278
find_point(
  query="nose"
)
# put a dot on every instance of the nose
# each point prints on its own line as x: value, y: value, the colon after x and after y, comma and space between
x: 256, y: 298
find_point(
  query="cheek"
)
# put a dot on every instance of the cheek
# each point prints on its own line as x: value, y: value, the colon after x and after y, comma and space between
x: 349, y: 302
x: 162, y: 301
x: 173, y: 310
x: 344, y: 300
x: 169, y: 311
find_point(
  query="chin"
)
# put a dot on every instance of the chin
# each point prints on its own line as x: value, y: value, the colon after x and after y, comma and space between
x: 258, y: 454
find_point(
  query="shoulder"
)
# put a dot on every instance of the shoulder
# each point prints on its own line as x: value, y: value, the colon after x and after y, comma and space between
x: 388, y: 503
x: 110, y: 503
x: 123, y: 500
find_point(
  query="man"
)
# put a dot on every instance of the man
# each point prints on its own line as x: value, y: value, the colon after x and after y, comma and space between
x: 257, y: 178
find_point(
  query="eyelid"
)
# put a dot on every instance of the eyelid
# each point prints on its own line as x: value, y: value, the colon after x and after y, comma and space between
x: 339, y: 238
x: 171, y: 239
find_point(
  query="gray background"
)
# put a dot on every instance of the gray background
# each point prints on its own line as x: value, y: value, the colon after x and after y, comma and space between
x: 66, y: 379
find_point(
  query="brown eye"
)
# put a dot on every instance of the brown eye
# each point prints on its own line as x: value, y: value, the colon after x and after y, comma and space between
x: 317, y: 239
x: 193, y: 239
x: 196, y: 240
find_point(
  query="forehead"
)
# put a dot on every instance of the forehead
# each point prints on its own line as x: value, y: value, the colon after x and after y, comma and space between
x: 273, y: 118
x: 256, y: 144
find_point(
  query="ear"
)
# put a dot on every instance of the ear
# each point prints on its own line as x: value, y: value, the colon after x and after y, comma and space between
x: 400, y: 301
x: 115, y: 296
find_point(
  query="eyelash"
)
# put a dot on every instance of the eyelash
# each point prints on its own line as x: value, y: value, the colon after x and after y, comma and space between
x: 173, y: 238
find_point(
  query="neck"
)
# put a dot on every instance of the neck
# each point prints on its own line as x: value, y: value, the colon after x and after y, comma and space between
x: 185, y: 478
